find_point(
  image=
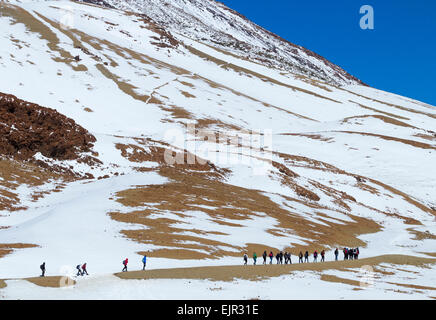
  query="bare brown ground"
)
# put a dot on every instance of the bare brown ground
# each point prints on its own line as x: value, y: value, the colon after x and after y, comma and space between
x: 32, y: 24
x: 331, y: 278
x: 426, y: 136
x: 412, y: 286
x: 385, y: 119
x: 15, y: 173
x: 300, y: 161
x: 431, y: 254
x: 431, y: 115
x: 379, y: 111
x: 8, y: 248
x: 239, y: 69
x: 229, y: 273
x: 310, y: 136
x: 52, y: 282
x: 405, y: 141
x: 187, y: 191
x: 419, y: 235
x: 2, y: 284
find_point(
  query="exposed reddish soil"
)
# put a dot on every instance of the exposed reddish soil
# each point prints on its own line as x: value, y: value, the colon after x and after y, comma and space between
x: 27, y: 128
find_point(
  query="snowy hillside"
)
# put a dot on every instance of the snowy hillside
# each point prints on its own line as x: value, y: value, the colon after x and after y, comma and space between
x: 175, y: 130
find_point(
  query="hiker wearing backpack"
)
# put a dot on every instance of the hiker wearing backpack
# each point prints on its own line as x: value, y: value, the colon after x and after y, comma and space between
x: 264, y: 257
x: 125, y: 262
x: 315, y: 256
x: 322, y: 255
x: 42, y: 267
x: 84, y: 271
x: 254, y: 258
x: 306, y: 256
x: 245, y: 259
x: 356, y: 256
x: 345, y: 253
x: 289, y: 258
x: 300, y: 257
x: 144, y: 262
x: 336, y: 254
x: 79, y: 271
x: 278, y: 257
x: 281, y: 257
x: 271, y: 256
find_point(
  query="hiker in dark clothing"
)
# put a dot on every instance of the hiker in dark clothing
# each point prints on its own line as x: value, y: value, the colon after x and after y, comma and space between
x: 264, y: 257
x: 125, y: 262
x: 79, y: 271
x: 281, y: 257
x: 345, y: 253
x: 289, y: 258
x: 42, y: 267
x: 356, y: 254
x: 315, y: 256
x: 245, y: 259
x: 84, y: 271
x: 286, y: 257
x: 306, y: 256
x: 254, y: 258
x: 336, y: 254
x: 322, y: 255
x: 278, y: 257
x: 300, y: 257
x: 144, y: 262
x: 350, y: 254
x: 271, y: 256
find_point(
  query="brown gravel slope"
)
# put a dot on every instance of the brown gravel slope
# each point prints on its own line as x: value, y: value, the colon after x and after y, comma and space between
x: 52, y: 134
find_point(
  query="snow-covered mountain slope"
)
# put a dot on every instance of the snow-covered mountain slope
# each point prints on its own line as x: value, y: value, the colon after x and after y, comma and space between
x: 214, y: 24
x: 200, y: 154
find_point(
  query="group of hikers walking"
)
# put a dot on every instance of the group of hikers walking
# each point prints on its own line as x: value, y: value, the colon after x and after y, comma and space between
x: 81, y: 269
x: 349, y: 254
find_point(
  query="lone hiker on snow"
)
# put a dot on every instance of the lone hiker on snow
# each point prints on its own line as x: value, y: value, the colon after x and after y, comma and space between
x: 245, y: 259
x: 125, y: 262
x: 42, y: 267
x: 144, y: 262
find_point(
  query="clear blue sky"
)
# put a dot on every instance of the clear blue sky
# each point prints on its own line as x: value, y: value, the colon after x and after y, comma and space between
x: 398, y: 56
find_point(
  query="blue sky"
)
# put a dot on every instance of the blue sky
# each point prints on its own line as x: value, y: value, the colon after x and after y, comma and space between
x: 398, y: 55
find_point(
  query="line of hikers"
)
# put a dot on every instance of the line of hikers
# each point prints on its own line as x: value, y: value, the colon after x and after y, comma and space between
x: 81, y: 269
x: 349, y: 254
